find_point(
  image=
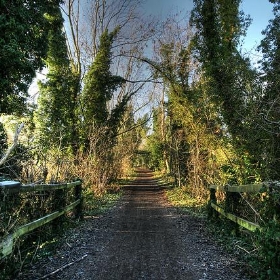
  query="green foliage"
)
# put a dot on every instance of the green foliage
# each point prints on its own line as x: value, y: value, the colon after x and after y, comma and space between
x: 271, y: 197
x: 268, y: 258
x: 270, y: 47
x: 55, y: 117
x: 96, y: 205
x: 220, y: 25
x: 117, y: 114
x: 155, y: 142
x: 22, y: 46
x: 181, y: 198
x: 156, y: 149
x: 3, y: 139
x: 99, y: 84
x: 232, y: 87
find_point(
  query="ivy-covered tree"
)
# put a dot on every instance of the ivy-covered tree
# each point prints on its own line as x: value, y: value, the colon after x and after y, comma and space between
x: 219, y: 26
x: 270, y: 47
x: 231, y: 82
x: 23, y: 44
x: 99, y: 87
x: 55, y: 116
x: 99, y: 123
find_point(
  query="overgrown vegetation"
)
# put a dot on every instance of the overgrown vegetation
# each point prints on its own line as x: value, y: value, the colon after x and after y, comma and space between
x: 18, y: 209
x: 182, y: 199
x: 215, y: 118
x: 96, y: 205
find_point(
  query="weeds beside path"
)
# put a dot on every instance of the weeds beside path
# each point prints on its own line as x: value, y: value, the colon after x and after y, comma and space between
x: 142, y: 237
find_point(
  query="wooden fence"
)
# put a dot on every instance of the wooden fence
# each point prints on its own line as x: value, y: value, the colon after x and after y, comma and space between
x: 233, y: 192
x: 11, y: 188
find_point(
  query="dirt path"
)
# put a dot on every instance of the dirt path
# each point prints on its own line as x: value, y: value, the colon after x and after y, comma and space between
x: 143, y: 237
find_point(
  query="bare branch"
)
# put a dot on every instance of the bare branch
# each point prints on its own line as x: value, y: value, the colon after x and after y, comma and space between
x: 135, y: 126
x: 9, y: 151
x: 63, y: 267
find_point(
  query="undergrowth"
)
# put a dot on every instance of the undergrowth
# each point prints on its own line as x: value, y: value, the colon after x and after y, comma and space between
x: 97, y: 205
x: 93, y: 206
x: 182, y: 199
x: 240, y: 246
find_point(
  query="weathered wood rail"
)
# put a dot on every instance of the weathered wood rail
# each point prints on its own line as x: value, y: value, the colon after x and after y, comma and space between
x: 12, y: 188
x: 250, y: 188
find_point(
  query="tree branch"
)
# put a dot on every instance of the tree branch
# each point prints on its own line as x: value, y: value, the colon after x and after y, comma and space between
x: 9, y: 151
x: 63, y: 267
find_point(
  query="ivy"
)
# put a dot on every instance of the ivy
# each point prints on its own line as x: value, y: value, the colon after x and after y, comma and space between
x: 268, y: 257
x: 22, y: 49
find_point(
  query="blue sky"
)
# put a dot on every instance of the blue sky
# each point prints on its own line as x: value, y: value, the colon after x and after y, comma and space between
x: 259, y: 10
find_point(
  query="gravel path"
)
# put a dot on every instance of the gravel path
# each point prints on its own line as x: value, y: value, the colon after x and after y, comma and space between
x: 142, y: 237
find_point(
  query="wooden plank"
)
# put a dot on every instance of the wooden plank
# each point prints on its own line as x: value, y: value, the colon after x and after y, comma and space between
x: 41, y: 187
x: 10, y: 184
x: 250, y: 188
x: 246, y: 224
x: 6, y: 246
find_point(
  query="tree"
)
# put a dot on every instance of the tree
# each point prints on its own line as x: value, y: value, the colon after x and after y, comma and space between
x: 55, y: 116
x: 270, y: 47
x: 99, y: 86
x: 219, y: 26
x: 99, y: 124
x: 232, y: 84
x: 174, y: 66
x: 84, y: 41
x: 23, y: 44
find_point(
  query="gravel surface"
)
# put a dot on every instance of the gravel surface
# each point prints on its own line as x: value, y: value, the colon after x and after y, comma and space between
x: 142, y: 237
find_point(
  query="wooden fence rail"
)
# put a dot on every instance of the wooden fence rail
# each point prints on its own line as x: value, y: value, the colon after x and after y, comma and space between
x: 242, y: 222
x: 10, y: 187
x: 250, y: 188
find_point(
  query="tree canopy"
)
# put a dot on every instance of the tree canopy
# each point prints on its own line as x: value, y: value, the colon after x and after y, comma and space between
x: 23, y: 45
x: 55, y: 116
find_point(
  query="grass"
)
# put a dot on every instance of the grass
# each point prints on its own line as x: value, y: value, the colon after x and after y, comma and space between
x: 95, y: 205
x: 98, y: 205
x: 180, y: 198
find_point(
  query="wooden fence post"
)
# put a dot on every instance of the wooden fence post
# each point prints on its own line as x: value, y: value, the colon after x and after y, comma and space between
x: 78, y: 212
x: 231, y: 206
x: 8, y: 203
x: 211, y: 212
x: 59, y: 202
